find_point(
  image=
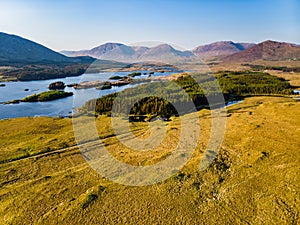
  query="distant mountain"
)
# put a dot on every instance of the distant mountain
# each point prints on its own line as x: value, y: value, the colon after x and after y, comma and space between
x: 165, y: 52
x: 96, y: 52
x: 121, y: 52
x: 268, y: 50
x: 246, y: 45
x: 221, y: 48
x: 17, y: 49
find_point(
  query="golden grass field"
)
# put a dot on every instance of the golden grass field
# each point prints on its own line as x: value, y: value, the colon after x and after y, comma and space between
x: 253, y: 180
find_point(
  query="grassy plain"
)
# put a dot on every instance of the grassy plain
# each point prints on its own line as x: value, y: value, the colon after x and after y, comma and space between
x: 253, y: 180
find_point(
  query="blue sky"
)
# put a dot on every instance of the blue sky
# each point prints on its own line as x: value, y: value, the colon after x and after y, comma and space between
x: 83, y: 24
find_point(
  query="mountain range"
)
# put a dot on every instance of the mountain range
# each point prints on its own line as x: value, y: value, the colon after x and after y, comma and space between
x: 122, y: 52
x: 17, y: 49
x: 226, y: 51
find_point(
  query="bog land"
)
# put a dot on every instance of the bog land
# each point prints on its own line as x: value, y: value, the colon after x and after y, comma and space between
x: 253, y: 180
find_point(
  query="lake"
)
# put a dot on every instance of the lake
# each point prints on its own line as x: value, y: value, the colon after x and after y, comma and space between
x: 60, y: 107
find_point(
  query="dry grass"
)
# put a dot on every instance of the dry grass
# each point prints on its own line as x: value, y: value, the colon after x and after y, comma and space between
x: 292, y: 77
x: 24, y: 137
x: 254, y: 179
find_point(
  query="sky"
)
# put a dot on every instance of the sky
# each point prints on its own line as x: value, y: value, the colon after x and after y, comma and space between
x: 83, y: 24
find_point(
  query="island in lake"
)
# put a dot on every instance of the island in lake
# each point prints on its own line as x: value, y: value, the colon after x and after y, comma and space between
x: 43, y: 97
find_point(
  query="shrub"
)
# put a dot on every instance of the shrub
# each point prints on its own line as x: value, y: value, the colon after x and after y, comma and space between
x: 89, y: 200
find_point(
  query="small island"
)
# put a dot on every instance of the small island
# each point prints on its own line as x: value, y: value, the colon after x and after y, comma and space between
x: 134, y: 74
x: 47, y: 96
x: 106, y: 85
x: 59, y: 85
x: 115, y: 78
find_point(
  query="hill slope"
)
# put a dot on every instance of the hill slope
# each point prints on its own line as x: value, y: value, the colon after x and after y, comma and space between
x: 165, y: 51
x: 220, y: 48
x: 17, y: 49
x: 28, y: 60
x: 267, y: 50
x: 96, y: 52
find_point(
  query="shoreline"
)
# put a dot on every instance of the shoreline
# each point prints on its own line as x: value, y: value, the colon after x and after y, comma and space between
x: 227, y: 104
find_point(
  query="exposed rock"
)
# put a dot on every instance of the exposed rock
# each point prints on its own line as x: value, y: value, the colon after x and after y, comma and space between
x: 59, y: 85
x: 72, y: 85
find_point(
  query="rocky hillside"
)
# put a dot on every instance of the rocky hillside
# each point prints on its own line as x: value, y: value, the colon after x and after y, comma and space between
x: 221, y: 48
x: 267, y: 50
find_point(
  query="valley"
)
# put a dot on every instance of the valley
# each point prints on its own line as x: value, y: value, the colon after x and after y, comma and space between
x: 49, y: 149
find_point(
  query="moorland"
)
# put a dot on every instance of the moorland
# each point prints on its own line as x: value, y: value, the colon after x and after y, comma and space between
x: 253, y: 178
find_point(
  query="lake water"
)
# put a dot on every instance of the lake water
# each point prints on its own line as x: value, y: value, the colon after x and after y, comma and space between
x: 297, y: 92
x: 60, y: 107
